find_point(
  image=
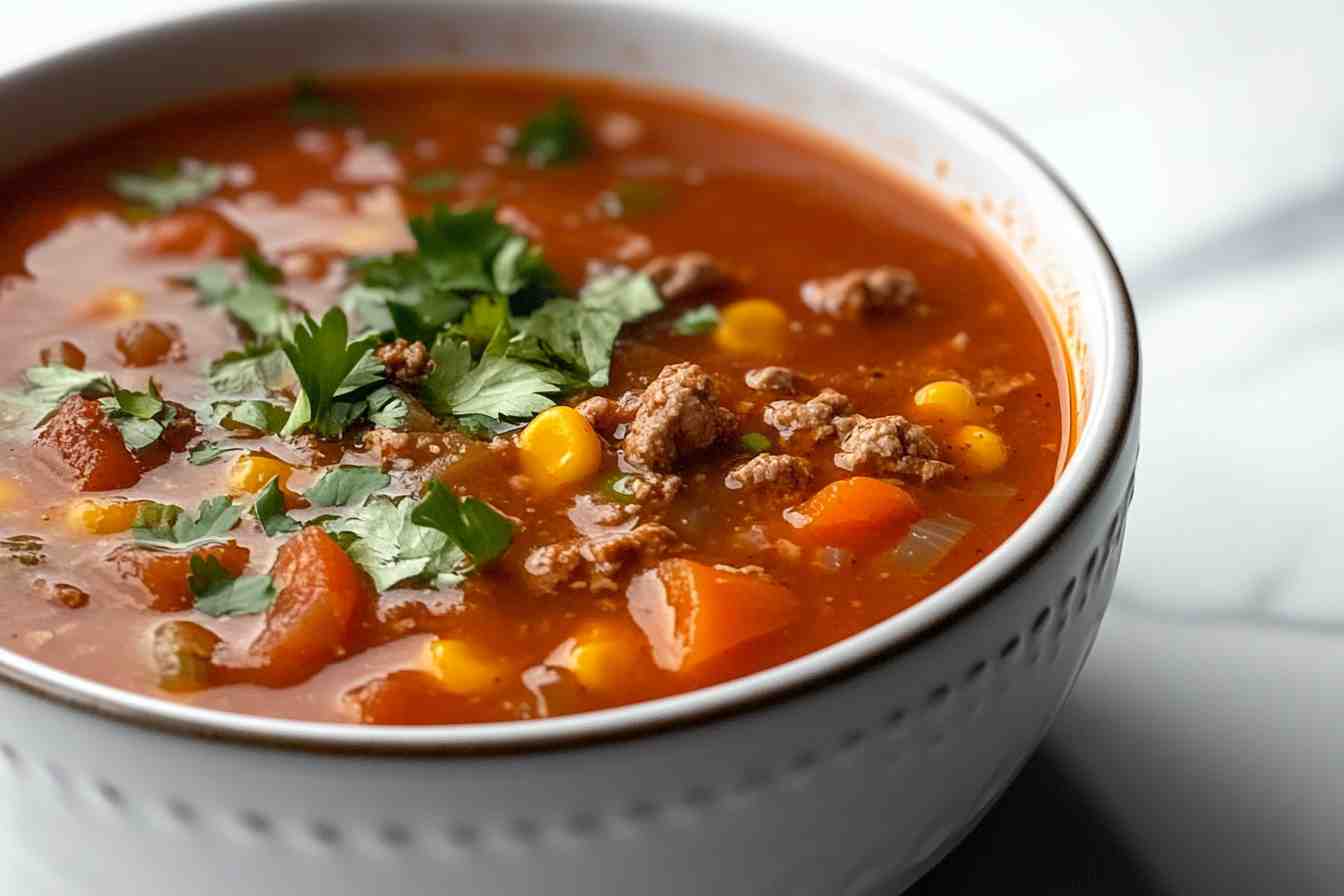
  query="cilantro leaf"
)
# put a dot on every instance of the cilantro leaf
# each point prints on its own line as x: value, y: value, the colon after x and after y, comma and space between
x: 696, y: 321
x: 329, y: 367
x: 262, y: 416
x: 261, y: 270
x: 482, y: 532
x: 392, y: 548
x: 554, y: 136
x: 170, y: 524
x: 141, y: 417
x: 252, y: 301
x: 258, y: 368
x: 218, y: 593
x: 435, y: 181
x: 207, y: 452
x: 495, y: 387
x: 344, y: 486
x: 170, y: 186
x: 269, y: 509
x: 311, y: 103
x: 45, y: 388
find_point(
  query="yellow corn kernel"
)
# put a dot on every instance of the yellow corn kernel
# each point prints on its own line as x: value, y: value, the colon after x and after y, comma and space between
x: 463, y: 668
x: 117, y: 303
x: 945, y: 401
x: 10, y: 493
x: 251, y: 472
x: 604, y: 657
x: 559, y: 448
x: 979, y: 451
x: 752, y: 327
x: 101, y: 516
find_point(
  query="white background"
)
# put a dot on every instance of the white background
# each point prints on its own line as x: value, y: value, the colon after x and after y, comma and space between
x: 1203, y: 751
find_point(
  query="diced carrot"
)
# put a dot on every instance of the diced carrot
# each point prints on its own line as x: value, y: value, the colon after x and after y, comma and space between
x: 692, y: 613
x: 88, y: 447
x: 144, y: 343
x: 165, y: 573
x: 854, y: 511
x: 307, y: 627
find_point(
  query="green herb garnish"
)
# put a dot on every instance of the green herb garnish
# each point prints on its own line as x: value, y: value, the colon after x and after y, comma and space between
x: 552, y: 137
x: 344, y: 486
x: 269, y: 509
x: 219, y: 593
x: 171, y: 525
x: 170, y: 186
x: 697, y: 321
x: 754, y: 443
x: 207, y: 452
x: 312, y: 103
x: 482, y: 532
x: 435, y: 181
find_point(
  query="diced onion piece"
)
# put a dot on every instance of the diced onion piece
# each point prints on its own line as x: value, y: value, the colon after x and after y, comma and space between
x: 928, y: 543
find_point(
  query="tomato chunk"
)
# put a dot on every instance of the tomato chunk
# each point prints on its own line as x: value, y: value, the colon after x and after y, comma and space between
x: 144, y: 343
x: 408, y: 697
x: 85, y: 445
x: 692, y: 613
x: 197, y: 232
x: 165, y: 573
x: 307, y: 627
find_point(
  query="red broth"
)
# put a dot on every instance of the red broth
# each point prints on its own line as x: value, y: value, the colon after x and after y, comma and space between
x: 617, y: 584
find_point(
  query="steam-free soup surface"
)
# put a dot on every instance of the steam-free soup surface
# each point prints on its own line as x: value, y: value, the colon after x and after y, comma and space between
x: 461, y: 398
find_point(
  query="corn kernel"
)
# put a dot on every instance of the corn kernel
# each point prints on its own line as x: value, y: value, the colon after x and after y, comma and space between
x: 117, y: 303
x: 10, y: 493
x: 251, y: 472
x: 945, y: 401
x: 559, y: 448
x: 604, y: 657
x: 752, y: 327
x: 979, y: 451
x: 462, y: 668
x: 96, y: 516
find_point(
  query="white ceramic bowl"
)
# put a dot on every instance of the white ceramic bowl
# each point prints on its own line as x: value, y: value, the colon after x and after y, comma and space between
x: 853, y: 768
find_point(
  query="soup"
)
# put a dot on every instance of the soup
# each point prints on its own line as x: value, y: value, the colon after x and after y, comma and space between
x: 475, y: 397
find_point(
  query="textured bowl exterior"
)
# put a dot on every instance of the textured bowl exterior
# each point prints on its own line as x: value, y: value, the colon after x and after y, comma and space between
x: 858, y: 781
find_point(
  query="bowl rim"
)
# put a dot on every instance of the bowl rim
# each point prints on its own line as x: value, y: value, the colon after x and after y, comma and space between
x: 1095, y: 455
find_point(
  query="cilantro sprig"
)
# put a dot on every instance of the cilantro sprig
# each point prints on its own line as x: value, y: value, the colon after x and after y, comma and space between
x: 140, y: 416
x: 217, y: 592
x: 169, y: 524
x: 166, y: 187
x: 340, y: 379
x: 552, y: 137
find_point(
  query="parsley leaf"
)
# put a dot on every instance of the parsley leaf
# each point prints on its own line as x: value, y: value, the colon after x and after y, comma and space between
x: 269, y: 509
x: 435, y: 181
x: 343, y: 486
x: 331, y: 371
x: 170, y: 524
x: 696, y: 321
x: 482, y: 532
x: 495, y: 387
x: 392, y: 548
x: 170, y: 186
x: 207, y: 452
x: 218, y: 593
x: 579, y: 337
x: 553, y: 136
x: 312, y: 103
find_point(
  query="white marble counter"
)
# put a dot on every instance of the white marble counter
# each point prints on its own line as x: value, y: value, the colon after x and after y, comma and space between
x: 1203, y: 751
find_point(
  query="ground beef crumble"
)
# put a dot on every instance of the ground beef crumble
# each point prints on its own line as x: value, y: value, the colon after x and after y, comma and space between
x: 802, y: 424
x: 773, y: 379
x: 406, y: 362
x: 596, y: 562
x: 861, y: 291
x: 888, y: 446
x: 679, y: 416
x: 682, y: 276
x: 775, y: 475
x: 607, y: 416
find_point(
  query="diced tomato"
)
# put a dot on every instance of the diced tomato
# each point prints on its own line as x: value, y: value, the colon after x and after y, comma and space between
x: 407, y: 697
x: 691, y: 612
x: 309, y: 624
x: 165, y: 573
x: 144, y: 343
x: 197, y: 232
x: 87, y: 446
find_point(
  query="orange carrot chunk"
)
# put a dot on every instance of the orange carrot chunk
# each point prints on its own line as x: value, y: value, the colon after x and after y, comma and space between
x: 307, y: 627
x: 853, y: 512
x: 692, y: 613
